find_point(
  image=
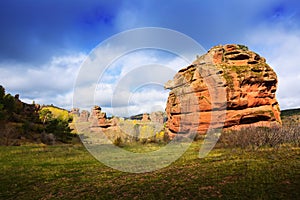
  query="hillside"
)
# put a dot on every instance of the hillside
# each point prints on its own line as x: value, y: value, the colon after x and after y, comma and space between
x: 22, y: 123
x: 58, y: 112
x: 290, y: 116
x: 290, y: 112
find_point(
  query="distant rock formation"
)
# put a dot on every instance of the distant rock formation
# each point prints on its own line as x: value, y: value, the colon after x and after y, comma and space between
x: 157, y: 117
x: 249, y: 84
x: 84, y: 116
x: 75, y: 111
x: 145, y: 118
x: 98, y: 118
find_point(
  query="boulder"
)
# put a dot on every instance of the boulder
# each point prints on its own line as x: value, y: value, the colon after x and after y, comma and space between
x: 229, y: 87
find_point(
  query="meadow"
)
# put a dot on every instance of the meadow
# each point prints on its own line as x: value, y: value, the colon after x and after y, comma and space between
x: 70, y: 172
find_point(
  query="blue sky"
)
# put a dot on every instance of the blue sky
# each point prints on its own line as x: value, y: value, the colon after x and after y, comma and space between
x: 43, y: 43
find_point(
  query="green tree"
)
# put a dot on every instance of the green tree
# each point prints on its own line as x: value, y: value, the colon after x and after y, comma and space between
x: 2, y: 114
x: 59, y: 128
x: 9, y: 103
x: 45, y: 115
x: 55, y: 125
x: 2, y: 93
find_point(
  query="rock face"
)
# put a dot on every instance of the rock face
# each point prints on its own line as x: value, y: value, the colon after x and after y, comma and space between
x: 75, y: 111
x: 157, y: 117
x: 145, y: 118
x: 98, y: 118
x: 84, y: 116
x: 229, y: 87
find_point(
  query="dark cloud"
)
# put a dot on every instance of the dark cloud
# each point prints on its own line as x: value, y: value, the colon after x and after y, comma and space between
x: 34, y: 31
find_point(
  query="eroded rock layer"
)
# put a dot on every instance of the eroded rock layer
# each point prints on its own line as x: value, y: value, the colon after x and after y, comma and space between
x: 229, y: 87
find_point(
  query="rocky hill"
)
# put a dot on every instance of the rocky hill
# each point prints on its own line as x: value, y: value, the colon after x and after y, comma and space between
x: 22, y: 123
x: 230, y: 80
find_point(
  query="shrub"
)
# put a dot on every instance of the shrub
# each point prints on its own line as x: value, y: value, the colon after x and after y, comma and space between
x: 9, y: 135
x: 257, y: 137
x: 60, y: 129
x: 136, y: 131
x: 243, y: 47
x: 118, y: 142
x: 166, y: 137
x: 48, y: 139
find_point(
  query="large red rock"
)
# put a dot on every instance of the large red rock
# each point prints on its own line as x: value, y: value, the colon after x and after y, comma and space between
x: 229, y: 87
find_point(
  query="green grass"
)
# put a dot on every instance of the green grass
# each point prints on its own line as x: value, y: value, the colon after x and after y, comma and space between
x: 70, y: 172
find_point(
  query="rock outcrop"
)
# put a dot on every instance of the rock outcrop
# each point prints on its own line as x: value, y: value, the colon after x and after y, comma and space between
x: 98, y: 118
x: 145, y: 118
x: 84, y: 116
x: 75, y: 112
x: 229, y: 87
x: 157, y: 117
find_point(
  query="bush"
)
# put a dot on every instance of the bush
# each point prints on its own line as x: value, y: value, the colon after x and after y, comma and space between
x: 118, y: 142
x: 9, y: 135
x: 2, y: 113
x: 257, y: 137
x: 9, y: 103
x: 60, y: 129
x: 48, y: 139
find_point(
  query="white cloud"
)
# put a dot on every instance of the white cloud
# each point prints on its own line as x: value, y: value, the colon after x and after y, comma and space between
x: 132, y: 84
x: 51, y: 83
x: 128, y: 82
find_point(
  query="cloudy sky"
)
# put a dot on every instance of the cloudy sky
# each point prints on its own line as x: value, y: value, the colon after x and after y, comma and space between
x: 44, y: 43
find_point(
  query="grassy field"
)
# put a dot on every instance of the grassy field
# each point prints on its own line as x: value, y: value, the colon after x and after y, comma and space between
x: 70, y: 172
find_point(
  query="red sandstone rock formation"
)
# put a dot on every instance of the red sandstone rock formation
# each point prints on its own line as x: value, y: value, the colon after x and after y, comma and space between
x: 145, y: 118
x: 75, y: 112
x: 98, y: 118
x: 84, y: 116
x: 229, y: 84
